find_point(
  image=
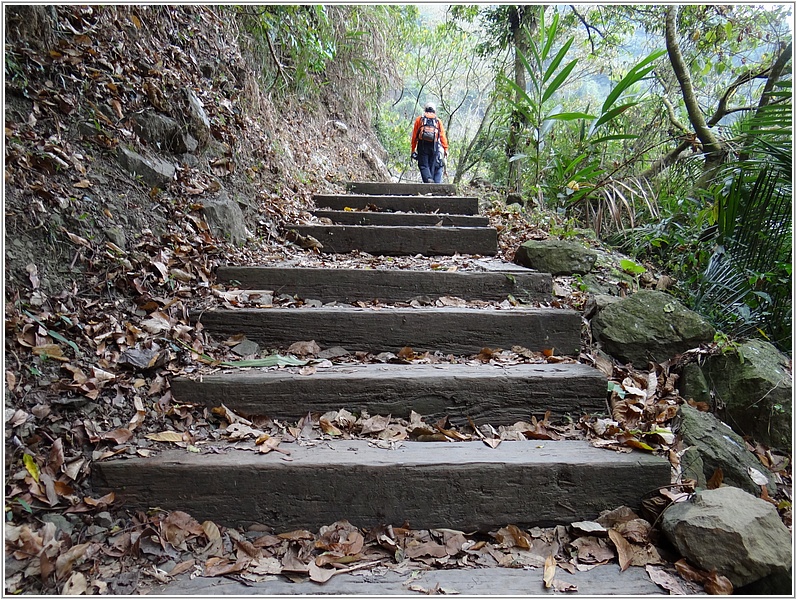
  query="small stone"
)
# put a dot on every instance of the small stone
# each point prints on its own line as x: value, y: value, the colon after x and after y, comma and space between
x: 60, y: 522
x: 104, y: 519
x: 246, y: 348
x: 334, y: 352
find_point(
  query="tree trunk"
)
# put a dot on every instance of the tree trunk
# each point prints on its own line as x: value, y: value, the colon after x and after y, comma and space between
x: 713, y: 149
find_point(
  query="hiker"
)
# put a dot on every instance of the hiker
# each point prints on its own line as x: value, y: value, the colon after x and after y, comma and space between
x: 429, y: 145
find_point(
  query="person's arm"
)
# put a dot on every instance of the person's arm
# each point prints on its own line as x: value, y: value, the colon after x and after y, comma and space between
x: 414, y: 140
x: 443, y: 138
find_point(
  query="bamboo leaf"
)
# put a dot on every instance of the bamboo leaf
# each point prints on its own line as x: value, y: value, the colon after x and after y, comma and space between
x: 570, y: 116
x: 637, y: 73
x: 559, y: 80
x: 557, y: 60
x: 611, y: 114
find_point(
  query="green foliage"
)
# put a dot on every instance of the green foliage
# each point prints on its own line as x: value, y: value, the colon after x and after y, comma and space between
x: 303, y: 48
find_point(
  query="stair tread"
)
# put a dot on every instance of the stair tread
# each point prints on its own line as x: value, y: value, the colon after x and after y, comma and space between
x: 499, y: 395
x: 461, y: 205
x: 449, y: 329
x: 601, y: 580
x: 391, y: 240
x: 357, y: 187
x: 464, y: 485
x: 391, y: 285
x: 401, y: 218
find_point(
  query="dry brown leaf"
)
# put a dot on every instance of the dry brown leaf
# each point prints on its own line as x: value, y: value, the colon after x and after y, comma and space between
x: 549, y: 571
x: 76, y: 585
x: 716, y: 480
x: 718, y: 585
x: 374, y: 424
x: 624, y: 550
x: 66, y: 560
x: 304, y: 348
x: 165, y: 436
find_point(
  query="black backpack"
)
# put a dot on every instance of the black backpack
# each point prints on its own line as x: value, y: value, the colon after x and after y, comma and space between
x: 429, y: 129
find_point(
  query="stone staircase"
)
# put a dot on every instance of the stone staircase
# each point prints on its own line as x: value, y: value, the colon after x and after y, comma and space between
x: 465, y: 485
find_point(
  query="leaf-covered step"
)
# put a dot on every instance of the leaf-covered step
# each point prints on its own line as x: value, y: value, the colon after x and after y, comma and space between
x: 400, y: 189
x: 454, y: 205
x: 448, y: 330
x: 467, y: 485
x: 498, y: 395
x: 403, y: 241
x: 366, y: 217
x: 390, y: 285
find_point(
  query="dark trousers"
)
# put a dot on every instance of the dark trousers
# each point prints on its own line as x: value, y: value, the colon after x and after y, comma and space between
x: 431, y: 169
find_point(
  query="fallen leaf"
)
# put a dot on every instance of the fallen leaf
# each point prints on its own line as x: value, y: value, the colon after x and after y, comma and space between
x: 716, y: 479
x: 304, y: 348
x: 549, y: 571
x: 165, y: 436
x: 76, y: 585
x: 718, y: 585
x: 374, y: 424
x: 624, y: 550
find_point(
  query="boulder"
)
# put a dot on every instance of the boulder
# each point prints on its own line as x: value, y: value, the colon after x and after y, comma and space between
x: 225, y: 218
x: 199, y: 123
x: 164, y: 133
x: 753, y: 389
x: 154, y: 171
x: 727, y: 529
x: 712, y: 445
x: 649, y: 325
x: 557, y: 257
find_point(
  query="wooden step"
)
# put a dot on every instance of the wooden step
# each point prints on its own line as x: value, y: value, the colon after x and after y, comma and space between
x: 400, y: 189
x: 360, y: 217
x: 498, y: 395
x: 465, y: 485
x: 389, y: 285
x: 403, y: 241
x: 448, y: 330
x: 600, y: 580
x: 454, y: 205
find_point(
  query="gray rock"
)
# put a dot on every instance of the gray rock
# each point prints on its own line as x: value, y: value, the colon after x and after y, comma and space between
x: 154, y: 171
x: 199, y: 123
x: 692, y: 385
x: 116, y: 235
x: 104, y: 519
x: 713, y: 445
x: 163, y: 132
x: 649, y: 325
x: 727, y: 529
x: 61, y: 523
x: 334, y: 352
x: 246, y: 348
x: 225, y: 218
x: 755, y: 389
x: 557, y: 257
x: 597, y: 302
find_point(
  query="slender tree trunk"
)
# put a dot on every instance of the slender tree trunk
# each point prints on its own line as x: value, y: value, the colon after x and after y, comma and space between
x: 712, y: 147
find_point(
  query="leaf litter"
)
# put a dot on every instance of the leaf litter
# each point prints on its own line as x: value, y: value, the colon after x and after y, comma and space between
x: 88, y: 367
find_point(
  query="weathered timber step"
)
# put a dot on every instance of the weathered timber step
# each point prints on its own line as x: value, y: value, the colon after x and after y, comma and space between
x: 464, y: 485
x: 485, y: 393
x: 403, y: 241
x: 601, y: 580
x: 448, y: 330
x: 359, y: 217
x: 390, y: 285
x: 400, y: 189
x: 454, y: 205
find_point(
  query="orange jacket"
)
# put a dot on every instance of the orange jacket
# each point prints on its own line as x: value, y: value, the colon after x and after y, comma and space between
x: 417, y: 127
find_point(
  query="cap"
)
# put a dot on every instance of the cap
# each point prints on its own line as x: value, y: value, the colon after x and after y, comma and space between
x: 430, y: 107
